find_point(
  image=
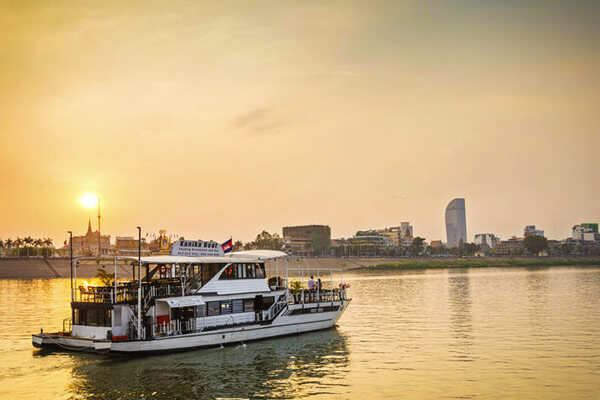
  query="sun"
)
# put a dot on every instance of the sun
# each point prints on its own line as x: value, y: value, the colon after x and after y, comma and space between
x: 89, y: 200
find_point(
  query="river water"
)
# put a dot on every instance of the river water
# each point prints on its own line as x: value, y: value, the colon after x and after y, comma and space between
x: 513, y: 333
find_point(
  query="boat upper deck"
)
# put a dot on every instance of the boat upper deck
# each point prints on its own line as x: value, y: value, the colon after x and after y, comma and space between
x: 173, y: 276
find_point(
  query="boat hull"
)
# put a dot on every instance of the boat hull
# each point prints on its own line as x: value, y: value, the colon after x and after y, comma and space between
x: 289, y: 322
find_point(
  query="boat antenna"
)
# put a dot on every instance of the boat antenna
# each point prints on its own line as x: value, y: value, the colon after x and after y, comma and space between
x: 71, y: 258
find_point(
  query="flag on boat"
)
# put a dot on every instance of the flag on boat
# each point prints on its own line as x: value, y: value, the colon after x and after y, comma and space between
x: 227, y: 246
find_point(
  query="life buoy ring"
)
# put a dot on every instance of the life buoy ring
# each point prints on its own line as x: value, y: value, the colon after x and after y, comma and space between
x: 163, y: 270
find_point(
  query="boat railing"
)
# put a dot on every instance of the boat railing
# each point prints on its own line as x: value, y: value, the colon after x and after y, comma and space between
x: 133, y: 328
x: 125, y: 294
x: 176, y: 327
x: 180, y: 327
x: 304, y: 296
x: 277, y: 307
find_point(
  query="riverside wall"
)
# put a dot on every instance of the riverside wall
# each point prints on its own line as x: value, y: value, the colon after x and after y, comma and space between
x: 50, y: 268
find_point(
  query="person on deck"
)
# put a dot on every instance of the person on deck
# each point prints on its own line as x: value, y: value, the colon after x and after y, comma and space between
x: 311, y: 287
x: 319, y: 288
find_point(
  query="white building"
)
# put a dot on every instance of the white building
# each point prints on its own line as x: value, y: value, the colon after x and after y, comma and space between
x: 456, y: 223
x: 586, y: 232
x: 486, y: 239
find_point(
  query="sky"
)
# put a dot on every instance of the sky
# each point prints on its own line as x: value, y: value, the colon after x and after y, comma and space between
x: 227, y: 118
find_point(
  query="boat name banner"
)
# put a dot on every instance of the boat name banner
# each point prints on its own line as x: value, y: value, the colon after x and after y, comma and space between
x: 197, y: 248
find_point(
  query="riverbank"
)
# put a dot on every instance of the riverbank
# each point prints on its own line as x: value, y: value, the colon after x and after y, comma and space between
x: 39, y: 268
x: 486, y: 262
x: 50, y: 268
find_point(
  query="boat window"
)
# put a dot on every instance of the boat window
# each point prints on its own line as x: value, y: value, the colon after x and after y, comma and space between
x: 91, y: 317
x: 244, y: 271
x: 200, y: 311
x: 229, y: 273
x: 268, y: 302
x: 237, y: 306
x: 260, y: 272
x: 248, y: 305
x: 183, y: 312
x: 213, y: 308
x: 225, y: 307
x: 209, y: 271
x: 78, y: 317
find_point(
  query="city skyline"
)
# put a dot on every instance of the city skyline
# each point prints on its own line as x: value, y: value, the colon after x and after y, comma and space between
x: 230, y: 119
x: 150, y: 235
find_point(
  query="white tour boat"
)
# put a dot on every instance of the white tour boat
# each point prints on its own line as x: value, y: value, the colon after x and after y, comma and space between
x: 200, y: 299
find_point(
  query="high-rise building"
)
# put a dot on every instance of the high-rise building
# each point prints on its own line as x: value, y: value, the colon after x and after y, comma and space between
x: 456, y: 223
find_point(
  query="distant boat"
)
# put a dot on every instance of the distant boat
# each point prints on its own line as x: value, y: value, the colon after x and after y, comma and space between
x: 187, y: 302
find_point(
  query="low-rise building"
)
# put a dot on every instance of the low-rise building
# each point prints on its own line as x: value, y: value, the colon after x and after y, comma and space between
x: 586, y: 232
x: 531, y: 230
x: 401, y: 236
x: 488, y: 240
x: 127, y: 245
x: 509, y: 247
x: 317, y: 238
x: 436, y: 244
x: 371, y: 238
x: 87, y: 245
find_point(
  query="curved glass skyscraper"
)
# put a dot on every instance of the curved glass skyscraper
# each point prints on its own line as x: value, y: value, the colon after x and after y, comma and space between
x: 456, y: 223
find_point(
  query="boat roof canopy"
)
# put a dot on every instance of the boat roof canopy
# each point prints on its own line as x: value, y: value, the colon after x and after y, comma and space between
x: 235, y: 257
x: 188, y: 260
x: 259, y: 254
x: 187, y: 301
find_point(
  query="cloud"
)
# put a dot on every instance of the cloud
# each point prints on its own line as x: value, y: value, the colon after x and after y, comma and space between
x: 259, y: 122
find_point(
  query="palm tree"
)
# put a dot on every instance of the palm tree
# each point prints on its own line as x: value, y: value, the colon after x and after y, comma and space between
x: 8, y: 244
x: 1, y: 247
x: 19, y: 242
x: 38, y: 243
x: 29, y: 241
x: 105, y: 277
x: 48, y: 243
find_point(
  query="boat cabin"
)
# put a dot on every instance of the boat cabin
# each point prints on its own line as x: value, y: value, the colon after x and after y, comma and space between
x: 178, y: 295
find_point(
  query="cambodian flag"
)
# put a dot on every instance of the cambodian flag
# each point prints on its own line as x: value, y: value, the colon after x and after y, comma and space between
x: 227, y: 246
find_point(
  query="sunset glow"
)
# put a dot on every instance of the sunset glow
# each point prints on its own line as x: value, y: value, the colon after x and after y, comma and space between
x: 213, y: 119
x: 89, y: 200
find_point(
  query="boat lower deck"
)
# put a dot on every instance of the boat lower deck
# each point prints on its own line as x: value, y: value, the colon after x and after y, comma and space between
x: 288, y: 322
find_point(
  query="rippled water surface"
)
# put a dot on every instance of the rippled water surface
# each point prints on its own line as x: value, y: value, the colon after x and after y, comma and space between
x: 438, y: 334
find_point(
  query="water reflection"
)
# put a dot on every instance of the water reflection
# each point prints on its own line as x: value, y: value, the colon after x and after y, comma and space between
x: 281, y: 368
x: 537, y: 288
x: 527, y: 333
x: 460, y: 315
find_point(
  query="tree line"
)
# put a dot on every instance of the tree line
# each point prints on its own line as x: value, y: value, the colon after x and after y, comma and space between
x: 27, y: 247
x: 532, y: 245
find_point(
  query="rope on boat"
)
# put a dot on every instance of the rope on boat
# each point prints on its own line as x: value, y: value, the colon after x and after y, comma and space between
x: 64, y: 346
